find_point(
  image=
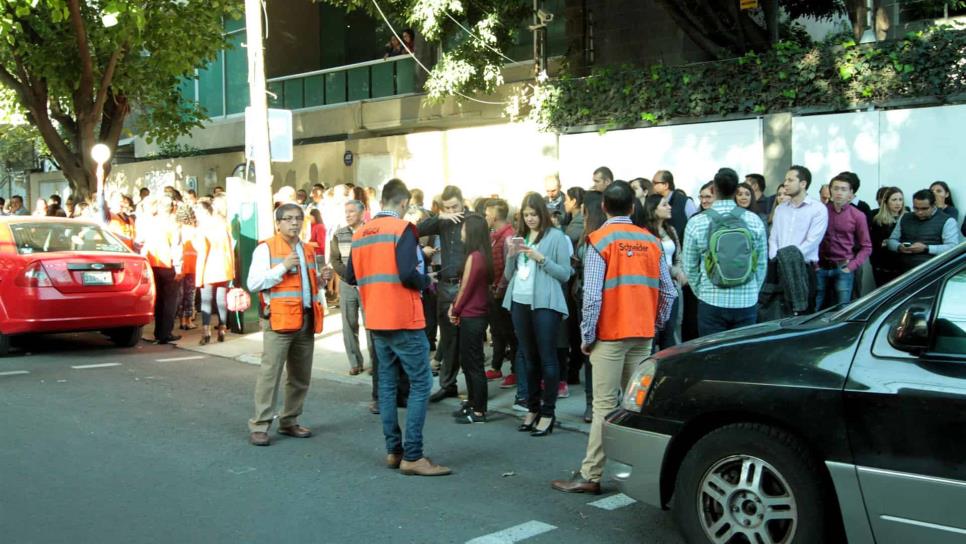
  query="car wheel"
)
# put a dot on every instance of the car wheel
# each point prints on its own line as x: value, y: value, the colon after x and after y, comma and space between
x: 4, y: 344
x: 749, y: 483
x: 125, y: 337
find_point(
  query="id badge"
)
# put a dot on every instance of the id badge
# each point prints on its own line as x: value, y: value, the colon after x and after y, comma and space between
x: 524, y: 273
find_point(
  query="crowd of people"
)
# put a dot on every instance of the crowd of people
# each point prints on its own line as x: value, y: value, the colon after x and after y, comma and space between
x: 568, y: 286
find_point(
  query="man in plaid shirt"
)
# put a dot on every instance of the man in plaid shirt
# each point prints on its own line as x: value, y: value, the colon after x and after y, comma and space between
x: 723, y: 308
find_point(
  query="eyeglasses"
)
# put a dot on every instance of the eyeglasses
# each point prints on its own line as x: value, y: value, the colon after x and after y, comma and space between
x: 292, y: 219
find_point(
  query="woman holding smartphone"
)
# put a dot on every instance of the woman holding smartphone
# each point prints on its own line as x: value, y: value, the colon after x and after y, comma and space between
x: 469, y: 311
x: 538, y: 267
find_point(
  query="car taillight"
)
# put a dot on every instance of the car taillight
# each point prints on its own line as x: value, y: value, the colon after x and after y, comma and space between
x: 34, y: 276
x: 146, y: 275
x: 639, y: 386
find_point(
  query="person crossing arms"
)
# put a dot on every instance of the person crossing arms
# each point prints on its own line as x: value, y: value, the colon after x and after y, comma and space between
x: 384, y: 265
x: 284, y: 273
x: 628, y: 295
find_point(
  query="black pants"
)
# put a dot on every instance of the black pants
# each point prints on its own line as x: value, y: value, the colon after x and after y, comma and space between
x: 471, y: 335
x: 402, y: 379
x: 168, y: 293
x: 429, y: 310
x: 504, y: 340
x: 447, y: 350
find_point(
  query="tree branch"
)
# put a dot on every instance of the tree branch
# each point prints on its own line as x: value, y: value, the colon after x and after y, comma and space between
x: 63, y: 118
x: 83, y: 93
x: 691, y: 28
x: 106, y: 78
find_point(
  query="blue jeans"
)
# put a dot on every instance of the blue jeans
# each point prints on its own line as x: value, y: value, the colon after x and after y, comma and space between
x: 409, y: 349
x: 537, y: 332
x: 841, y: 283
x: 712, y: 319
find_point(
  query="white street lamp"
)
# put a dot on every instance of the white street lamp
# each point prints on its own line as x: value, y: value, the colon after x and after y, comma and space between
x: 101, y: 154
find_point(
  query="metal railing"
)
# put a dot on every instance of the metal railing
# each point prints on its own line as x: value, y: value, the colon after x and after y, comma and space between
x: 361, y: 81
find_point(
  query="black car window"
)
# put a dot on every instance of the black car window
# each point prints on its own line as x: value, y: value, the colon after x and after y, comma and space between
x: 49, y: 237
x: 949, y: 327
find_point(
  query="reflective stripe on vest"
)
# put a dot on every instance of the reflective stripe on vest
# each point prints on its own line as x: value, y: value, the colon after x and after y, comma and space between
x: 284, y: 301
x: 387, y: 304
x: 632, y: 281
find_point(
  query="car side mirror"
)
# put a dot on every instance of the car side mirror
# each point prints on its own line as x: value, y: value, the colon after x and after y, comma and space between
x: 912, y: 332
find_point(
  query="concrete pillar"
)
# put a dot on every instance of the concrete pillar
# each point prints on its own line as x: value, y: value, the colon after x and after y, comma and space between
x: 776, y: 149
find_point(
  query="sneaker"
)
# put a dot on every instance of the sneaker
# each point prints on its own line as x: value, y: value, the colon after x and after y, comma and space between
x: 471, y: 417
x: 563, y: 391
x: 509, y: 382
x: 493, y: 374
x: 462, y: 410
x: 520, y: 406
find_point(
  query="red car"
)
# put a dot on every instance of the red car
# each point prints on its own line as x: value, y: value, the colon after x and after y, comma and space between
x: 69, y: 275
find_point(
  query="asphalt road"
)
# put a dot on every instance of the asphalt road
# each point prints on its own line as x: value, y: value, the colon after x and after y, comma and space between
x: 155, y: 450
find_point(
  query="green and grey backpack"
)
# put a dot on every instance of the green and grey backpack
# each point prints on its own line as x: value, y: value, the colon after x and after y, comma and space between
x: 731, y: 259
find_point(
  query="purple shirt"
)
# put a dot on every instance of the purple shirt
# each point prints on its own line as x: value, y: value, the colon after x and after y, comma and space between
x: 847, y: 237
x: 802, y: 226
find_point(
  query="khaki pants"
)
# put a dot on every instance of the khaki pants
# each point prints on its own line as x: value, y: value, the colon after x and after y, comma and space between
x: 293, y: 353
x: 613, y: 364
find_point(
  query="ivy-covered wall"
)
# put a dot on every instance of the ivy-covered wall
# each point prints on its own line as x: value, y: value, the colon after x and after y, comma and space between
x: 835, y: 75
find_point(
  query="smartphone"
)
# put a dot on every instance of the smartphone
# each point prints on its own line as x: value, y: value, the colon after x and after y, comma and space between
x: 517, y: 242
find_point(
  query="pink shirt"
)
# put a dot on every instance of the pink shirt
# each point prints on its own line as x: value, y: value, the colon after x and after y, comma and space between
x: 847, y: 237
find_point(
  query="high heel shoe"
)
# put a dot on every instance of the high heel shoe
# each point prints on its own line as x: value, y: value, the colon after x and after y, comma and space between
x: 205, y: 339
x: 528, y: 427
x: 221, y: 333
x: 548, y: 430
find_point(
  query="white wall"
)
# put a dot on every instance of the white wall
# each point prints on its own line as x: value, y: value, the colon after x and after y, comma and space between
x: 908, y: 148
x: 693, y: 153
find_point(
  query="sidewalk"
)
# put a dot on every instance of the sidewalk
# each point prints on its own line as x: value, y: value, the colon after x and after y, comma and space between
x: 330, y: 363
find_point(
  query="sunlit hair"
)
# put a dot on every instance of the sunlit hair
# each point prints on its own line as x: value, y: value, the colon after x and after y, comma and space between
x: 884, y: 217
x: 539, y: 205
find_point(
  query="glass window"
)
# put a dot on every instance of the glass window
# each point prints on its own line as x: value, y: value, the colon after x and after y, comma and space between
x: 950, y: 324
x: 211, y: 87
x: 236, y: 75
x: 52, y: 237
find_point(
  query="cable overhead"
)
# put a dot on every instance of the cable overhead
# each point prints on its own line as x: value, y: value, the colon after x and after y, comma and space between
x: 423, y: 66
x: 479, y: 38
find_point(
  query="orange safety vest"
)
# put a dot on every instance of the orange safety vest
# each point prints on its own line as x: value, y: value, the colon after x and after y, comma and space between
x: 123, y: 225
x: 388, y: 305
x: 160, y: 243
x: 284, y: 301
x: 631, y: 282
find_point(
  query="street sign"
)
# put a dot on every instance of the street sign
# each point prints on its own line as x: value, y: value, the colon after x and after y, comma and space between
x: 748, y: 4
x: 279, y: 135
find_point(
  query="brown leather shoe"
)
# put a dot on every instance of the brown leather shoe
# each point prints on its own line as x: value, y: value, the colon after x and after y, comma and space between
x: 259, y: 439
x: 576, y: 484
x: 423, y: 467
x: 393, y: 460
x: 297, y: 431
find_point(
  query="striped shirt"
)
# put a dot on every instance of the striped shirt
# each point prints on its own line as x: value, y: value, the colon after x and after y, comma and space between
x: 595, y: 268
x: 695, y: 248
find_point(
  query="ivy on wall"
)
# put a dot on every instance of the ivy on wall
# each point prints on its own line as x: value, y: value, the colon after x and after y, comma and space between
x: 836, y: 74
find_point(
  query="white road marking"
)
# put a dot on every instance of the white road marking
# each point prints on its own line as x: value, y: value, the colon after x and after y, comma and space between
x: 102, y: 365
x: 613, y: 502
x: 14, y: 372
x: 190, y: 358
x: 514, y: 534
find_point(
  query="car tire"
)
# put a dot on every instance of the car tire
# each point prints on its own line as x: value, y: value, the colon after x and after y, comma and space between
x: 746, y: 479
x: 125, y: 337
x: 4, y: 344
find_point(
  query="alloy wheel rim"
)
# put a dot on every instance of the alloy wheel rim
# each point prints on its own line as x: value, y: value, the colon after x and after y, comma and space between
x: 743, y: 498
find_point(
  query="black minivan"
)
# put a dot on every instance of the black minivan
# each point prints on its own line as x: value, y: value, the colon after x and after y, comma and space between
x: 846, y: 424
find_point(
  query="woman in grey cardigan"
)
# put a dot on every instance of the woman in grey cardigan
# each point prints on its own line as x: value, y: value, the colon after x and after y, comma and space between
x: 538, y: 267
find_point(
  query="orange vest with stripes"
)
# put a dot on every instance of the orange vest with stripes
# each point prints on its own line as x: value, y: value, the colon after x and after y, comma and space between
x: 284, y: 301
x: 631, y: 282
x: 388, y: 304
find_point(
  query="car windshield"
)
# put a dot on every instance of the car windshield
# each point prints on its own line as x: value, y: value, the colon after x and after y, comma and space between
x: 33, y: 238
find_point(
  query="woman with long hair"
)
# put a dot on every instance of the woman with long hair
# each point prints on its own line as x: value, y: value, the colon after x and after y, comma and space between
x: 470, y: 311
x: 745, y: 198
x: 885, y: 263
x: 215, y: 267
x: 944, y: 199
x: 657, y: 217
x: 537, y: 267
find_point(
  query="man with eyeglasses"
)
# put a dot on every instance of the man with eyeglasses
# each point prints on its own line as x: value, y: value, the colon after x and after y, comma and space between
x: 284, y: 274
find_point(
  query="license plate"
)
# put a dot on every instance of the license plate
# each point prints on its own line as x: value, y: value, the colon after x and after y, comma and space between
x: 97, y: 278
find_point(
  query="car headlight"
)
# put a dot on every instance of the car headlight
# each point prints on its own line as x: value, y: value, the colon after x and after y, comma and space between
x: 639, y: 386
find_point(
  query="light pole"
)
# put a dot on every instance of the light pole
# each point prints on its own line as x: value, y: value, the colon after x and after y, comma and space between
x: 101, y: 154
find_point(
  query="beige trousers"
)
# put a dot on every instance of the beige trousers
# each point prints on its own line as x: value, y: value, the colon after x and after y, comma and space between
x: 613, y: 364
x: 293, y: 353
